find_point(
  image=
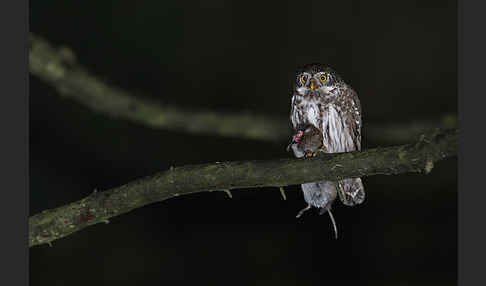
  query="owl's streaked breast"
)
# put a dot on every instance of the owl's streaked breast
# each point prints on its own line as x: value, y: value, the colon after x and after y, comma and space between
x: 305, y: 110
x: 327, y: 115
x: 336, y: 135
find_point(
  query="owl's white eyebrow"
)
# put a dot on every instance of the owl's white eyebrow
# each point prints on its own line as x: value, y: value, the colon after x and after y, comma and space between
x: 301, y: 90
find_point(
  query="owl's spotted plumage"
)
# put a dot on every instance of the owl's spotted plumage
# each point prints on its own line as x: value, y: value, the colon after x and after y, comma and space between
x: 323, y: 100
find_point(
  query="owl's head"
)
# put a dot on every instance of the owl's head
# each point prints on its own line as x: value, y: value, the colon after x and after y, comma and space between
x: 316, y: 78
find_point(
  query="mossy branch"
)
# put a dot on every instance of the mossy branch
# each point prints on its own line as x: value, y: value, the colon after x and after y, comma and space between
x: 58, y: 67
x: 421, y: 156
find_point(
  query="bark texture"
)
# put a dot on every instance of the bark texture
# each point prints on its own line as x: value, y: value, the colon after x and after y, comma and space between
x: 421, y: 156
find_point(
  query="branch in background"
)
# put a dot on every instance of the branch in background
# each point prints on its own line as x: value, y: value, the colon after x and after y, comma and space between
x: 421, y: 156
x: 407, y: 132
x: 58, y: 68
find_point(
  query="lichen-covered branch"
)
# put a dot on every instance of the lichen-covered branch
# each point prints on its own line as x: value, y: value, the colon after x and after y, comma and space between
x: 59, y: 68
x: 421, y: 156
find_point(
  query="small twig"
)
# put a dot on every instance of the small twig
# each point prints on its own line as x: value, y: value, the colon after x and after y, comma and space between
x: 228, y: 193
x: 429, y: 165
x: 282, y: 192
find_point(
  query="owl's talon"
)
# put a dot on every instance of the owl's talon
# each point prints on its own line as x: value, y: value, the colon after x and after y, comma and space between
x: 310, y: 154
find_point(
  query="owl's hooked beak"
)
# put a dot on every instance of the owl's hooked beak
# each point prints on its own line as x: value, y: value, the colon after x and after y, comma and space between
x: 313, y: 84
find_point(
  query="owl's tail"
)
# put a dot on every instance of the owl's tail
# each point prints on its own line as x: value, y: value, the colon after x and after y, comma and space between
x: 351, y: 191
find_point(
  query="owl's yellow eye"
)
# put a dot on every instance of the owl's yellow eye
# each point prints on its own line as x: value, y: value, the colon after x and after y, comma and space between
x: 303, y: 79
x: 323, y: 78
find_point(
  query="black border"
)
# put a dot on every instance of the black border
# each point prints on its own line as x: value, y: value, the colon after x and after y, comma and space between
x: 14, y: 210
x: 471, y: 191
x: 14, y: 152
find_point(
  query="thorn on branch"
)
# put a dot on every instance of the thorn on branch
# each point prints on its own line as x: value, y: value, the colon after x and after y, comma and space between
x: 429, y: 165
x: 282, y: 192
x: 228, y: 193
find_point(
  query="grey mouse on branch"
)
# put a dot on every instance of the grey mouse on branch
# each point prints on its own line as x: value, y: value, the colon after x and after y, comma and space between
x: 306, y: 142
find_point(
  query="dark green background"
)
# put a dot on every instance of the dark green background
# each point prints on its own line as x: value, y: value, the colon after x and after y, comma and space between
x: 234, y: 56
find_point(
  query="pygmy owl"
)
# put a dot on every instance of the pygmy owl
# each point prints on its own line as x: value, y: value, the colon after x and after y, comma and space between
x: 323, y: 100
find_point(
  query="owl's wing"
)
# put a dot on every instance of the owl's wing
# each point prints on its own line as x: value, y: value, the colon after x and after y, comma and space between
x: 351, y: 191
x: 353, y: 118
x: 351, y: 115
x: 294, y: 116
x: 341, y: 123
